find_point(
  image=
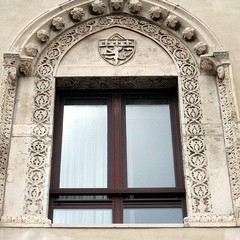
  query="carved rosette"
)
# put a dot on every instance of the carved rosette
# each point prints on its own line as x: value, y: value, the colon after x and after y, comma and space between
x: 200, y: 48
x: 77, y: 14
x: 25, y: 67
x: 10, y: 63
x: 207, y: 65
x: 188, y: 34
x: 155, y: 13
x: 43, y: 35
x: 135, y: 6
x: 98, y: 7
x: 58, y: 23
x: 116, y: 4
x: 31, y: 50
x: 172, y: 22
x: 196, y: 165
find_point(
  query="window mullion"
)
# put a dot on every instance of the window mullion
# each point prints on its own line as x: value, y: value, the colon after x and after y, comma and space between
x: 117, y: 141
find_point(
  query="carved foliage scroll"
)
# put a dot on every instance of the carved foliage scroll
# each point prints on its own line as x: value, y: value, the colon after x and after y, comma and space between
x: 231, y: 133
x: 198, y: 194
x: 11, y: 62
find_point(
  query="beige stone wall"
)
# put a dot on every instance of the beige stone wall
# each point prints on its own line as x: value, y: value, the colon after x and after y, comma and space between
x: 120, y: 234
x: 220, y: 16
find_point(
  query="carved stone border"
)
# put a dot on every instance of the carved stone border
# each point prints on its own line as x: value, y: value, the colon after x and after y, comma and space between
x: 195, y: 162
x: 11, y: 64
x: 218, y: 64
x: 198, y: 193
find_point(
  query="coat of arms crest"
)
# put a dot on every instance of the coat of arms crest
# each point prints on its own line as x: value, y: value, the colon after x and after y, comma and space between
x: 116, y: 50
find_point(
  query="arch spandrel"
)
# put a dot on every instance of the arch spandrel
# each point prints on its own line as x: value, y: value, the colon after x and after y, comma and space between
x: 171, y: 31
x: 85, y: 55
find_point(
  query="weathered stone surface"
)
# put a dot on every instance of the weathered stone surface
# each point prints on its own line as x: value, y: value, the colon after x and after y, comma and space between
x: 208, y: 120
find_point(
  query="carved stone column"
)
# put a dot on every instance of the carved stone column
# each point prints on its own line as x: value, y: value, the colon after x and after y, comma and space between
x: 219, y: 65
x: 15, y: 66
x: 10, y: 64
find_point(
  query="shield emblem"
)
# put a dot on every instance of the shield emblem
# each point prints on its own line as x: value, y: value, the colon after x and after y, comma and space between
x: 116, y: 50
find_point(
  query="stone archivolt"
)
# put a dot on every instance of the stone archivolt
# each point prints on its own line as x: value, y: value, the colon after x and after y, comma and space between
x: 199, y: 200
x: 195, y: 160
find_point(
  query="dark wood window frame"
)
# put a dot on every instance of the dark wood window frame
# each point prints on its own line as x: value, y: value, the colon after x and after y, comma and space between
x: 119, y: 196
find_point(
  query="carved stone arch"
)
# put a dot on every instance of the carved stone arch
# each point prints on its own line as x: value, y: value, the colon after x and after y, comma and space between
x: 171, y: 31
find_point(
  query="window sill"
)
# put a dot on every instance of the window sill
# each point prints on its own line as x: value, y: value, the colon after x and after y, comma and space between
x: 118, y: 226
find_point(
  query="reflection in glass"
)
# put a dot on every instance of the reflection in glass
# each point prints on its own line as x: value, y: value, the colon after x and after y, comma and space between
x: 149, y: 144
x: 82, y: 216
x: 84, y: 147
x: 152, y: 215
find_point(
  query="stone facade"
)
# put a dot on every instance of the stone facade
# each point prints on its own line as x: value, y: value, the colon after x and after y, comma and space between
x: 62, y: 47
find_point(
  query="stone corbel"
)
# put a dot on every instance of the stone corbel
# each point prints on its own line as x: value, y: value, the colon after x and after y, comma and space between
x: 11, y: 63
x: 16, y: 66
x: 215, y: 63
x: 25, y: 67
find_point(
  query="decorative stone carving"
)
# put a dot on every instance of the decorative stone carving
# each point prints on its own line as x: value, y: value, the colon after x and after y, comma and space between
x: 43, y: 35
x: 230, y: 127
x: 116, y: 4
x: 207, y: 64
x: 200, y: 48
x: 77, y: 14
x: 58, y: 23
x: 188, y: 34
x: 197, y: 181
x: 221, y: 72
x: 172, y: 21
x: 12, y: 73
x: 10, y: 63
x: 31, y: 50
x: 29, y: 219
x: 218, y: 63
x: 211, y: 63
x: 209, y: 220
x: 237, y: 211
x: 25, y: 67
x: 98, y: 7
x: 135, y: 6
x: 155, y: 13
x: 115, y: 83
x: 116, y: 50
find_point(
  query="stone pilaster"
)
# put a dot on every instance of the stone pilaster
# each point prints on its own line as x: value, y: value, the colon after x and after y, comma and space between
x: 218, y: 64
x: 9, y: 85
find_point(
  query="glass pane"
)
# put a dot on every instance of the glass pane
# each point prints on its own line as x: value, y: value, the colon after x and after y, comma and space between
x: 82, y: 216
x: 84, y: 147
x: 152, y: 215
x: 149, y: 145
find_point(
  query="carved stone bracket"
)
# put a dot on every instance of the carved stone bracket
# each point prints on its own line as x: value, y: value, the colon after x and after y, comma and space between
x: 10, y: 64
x: 211, y: 62
x: 25, y: 67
